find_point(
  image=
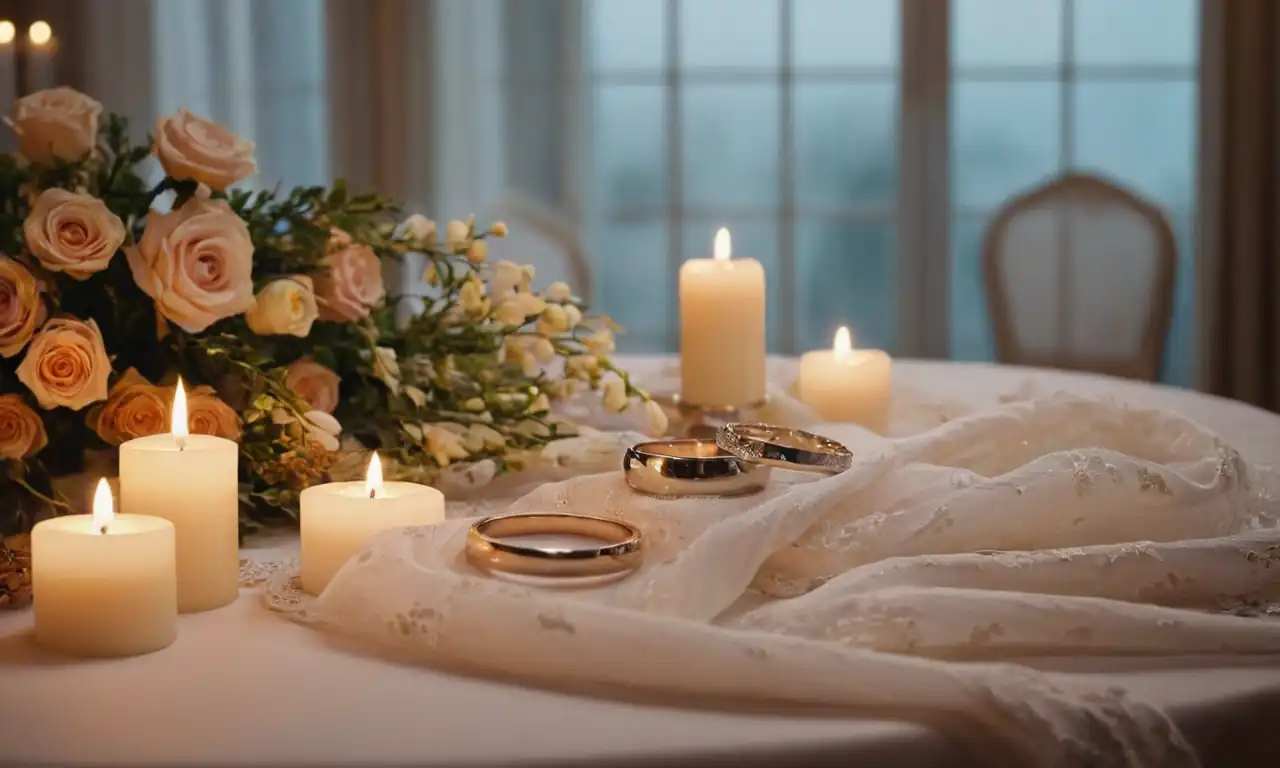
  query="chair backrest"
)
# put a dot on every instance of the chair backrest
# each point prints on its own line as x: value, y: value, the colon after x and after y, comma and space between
x: 1079, y: 275
x: 546, y: 239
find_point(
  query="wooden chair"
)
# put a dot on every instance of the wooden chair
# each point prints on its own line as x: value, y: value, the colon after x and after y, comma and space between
x: 544, y: 238
x: 1079, y: 275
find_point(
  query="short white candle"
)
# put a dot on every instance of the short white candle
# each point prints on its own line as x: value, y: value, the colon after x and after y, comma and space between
x: 722, y: 329
x: 193, y: 482
x: 104, y: 585
x: 847, y: 384
x: 338, y: 519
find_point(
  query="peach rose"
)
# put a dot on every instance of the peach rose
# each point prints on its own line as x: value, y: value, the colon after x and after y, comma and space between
x: 72, y: 233
x: 66, y: 364
x: 21, y: 430
x: 193, y: 148
x: 314, y: 383
x: 208, y: 415
x: 134, y: 408
x: 21, y: 308
x: 353, y: 284
x: 196, y: 262
x: 55, y: 124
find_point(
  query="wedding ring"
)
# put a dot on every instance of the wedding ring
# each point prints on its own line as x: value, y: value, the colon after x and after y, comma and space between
x: 619, y: 549
x: 690, y: 468
x: 786, y: 448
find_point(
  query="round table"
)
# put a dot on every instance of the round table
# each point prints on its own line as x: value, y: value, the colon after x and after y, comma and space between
x: 242, y: 685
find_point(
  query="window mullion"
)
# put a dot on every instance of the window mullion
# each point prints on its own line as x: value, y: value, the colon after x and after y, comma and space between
x: 924, y: 253
x: 786, y: 177
x: 673, y: 159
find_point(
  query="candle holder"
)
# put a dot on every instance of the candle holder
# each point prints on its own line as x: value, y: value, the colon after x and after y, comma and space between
x: 703, y: 421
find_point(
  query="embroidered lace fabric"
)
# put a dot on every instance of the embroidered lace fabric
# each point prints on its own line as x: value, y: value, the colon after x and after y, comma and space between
x: 910, y: 586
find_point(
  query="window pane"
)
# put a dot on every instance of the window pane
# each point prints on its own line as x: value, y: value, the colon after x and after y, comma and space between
x: 628, y: 145
x: 1004, y: 139
x: 846, y: 33
x: 1136, y: 32
x: 632, y: 280
x: 728, y: 33
x: 1142, y: 134
x: 626, y: 34
x: 845, y: 144
x: 971, y: 335
x: 845, y: 275
x: 1006, y: 32
x: 753, y: 238
x: 729, y: 146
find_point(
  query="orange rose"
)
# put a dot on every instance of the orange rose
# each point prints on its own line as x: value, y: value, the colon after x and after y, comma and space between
x: 21, y: 310
x: 314, y: 383
x: 21, y: 430
x: 72, y: 233
x: 208, y: 415
x: 191, y: 147
x: 135, y: 408
x: 66, y: 364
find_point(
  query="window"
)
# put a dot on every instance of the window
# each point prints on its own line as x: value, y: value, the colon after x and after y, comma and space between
x: 1083, y: 85
x: 776, y: 119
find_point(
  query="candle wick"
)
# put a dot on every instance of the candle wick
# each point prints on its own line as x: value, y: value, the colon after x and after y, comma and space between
x: 373, y: 493
x: 182, y: 444
x: 103, y: 529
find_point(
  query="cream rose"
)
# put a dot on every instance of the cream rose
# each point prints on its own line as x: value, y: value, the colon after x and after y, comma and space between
x: 55, y: 124
x: 314, y: 383
x: 21, y: 430
x: 193, y: 148
x: 352, y: 286
x: 196, y: 262
x: 208, y: 415
x: 284, y: 307
x: 66, y: 364
x: 135, y: 408
x: 21, y: 308
x: 72, y: 233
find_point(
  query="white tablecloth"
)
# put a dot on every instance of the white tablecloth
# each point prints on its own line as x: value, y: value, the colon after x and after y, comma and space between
x: 241, y: 685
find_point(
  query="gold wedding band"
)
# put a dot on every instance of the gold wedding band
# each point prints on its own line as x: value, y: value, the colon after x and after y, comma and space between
x: 786, y: 448
x: 620, y: 548
x: 675, y: 468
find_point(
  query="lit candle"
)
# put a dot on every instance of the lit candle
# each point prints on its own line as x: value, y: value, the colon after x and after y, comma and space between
x: 192, y: 481
x: 104, y: 584
x: 847, y: 384
x: 339, y: 518
x: 722, y: 331
x: 8, y: 69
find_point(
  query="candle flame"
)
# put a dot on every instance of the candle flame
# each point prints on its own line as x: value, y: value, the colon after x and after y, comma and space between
x: 7, y: 32
x: 723, y: 247
x: 178, y: 419
x: 103, y: 506
x: 373, y: 478
x: 842, y: 347
x: 40, y: 33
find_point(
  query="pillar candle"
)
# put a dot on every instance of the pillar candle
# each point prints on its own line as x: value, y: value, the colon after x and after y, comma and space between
x: 192, y: 481
x: 847, y: 384
x: 722, y: 329
x: 104, y: 585
x: 338, y: 519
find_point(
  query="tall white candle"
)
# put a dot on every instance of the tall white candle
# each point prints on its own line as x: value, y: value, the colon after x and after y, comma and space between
x: 41, y: 47
x: 8, y: 67
x: 338, y: 519
x: 722, y: 329
x: 192, y: 481
x: 847, y: 384
x: 104, y: 585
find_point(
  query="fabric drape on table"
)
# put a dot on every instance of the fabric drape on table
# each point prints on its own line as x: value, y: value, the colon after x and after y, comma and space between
x: 1241, y: 221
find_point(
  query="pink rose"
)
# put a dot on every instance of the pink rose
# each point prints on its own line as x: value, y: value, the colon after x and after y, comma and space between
x: 314, y: 383
x: 66, y: 364
x: 21, y: 430
x: 354, y: 283
x: 196, y: 262
x: 21, y: 309
x: 193, y: 148
x: 55, y: 124
x: 72, y: 233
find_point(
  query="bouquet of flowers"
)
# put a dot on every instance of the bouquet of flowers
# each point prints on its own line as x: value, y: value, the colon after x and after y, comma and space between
x: 271, y: 307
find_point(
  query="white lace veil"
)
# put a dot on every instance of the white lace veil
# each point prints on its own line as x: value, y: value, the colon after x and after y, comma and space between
x: 1046, y: 527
